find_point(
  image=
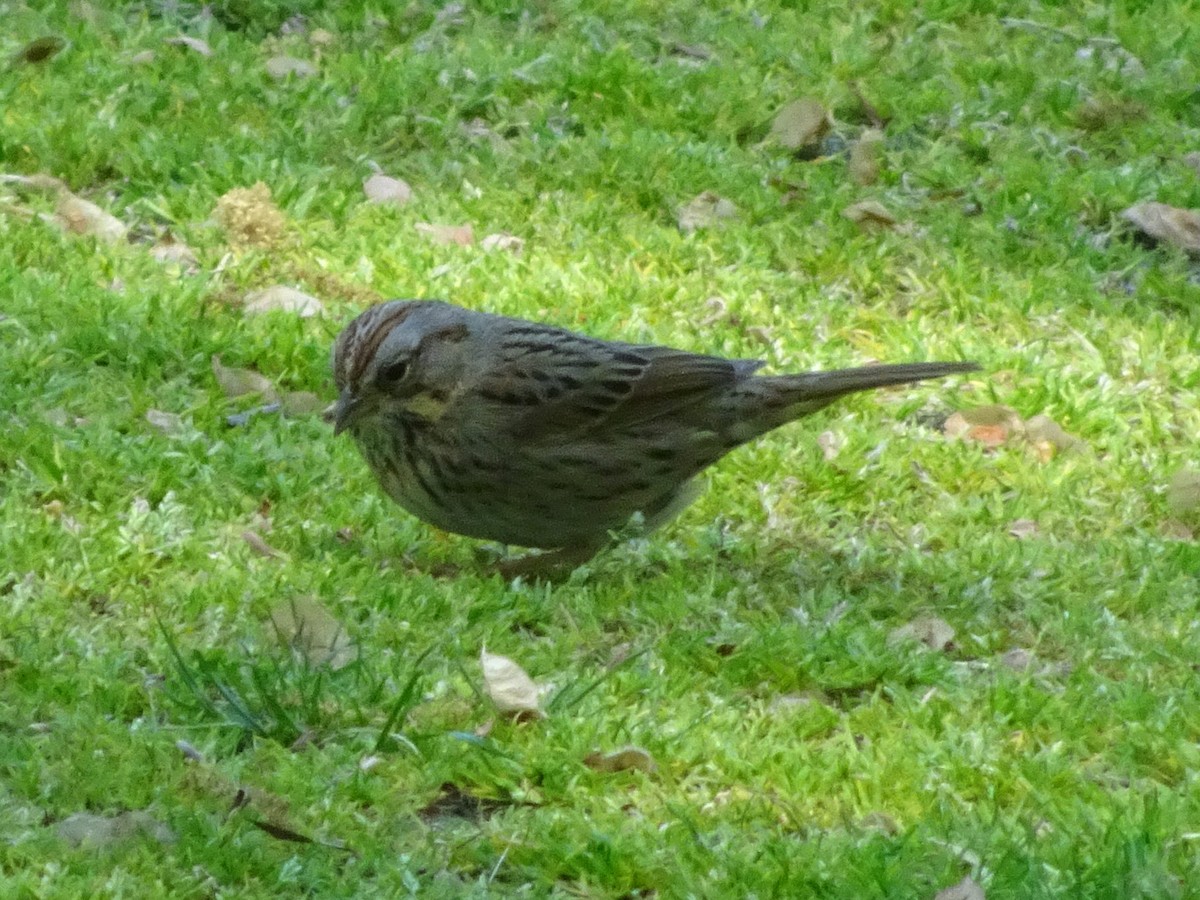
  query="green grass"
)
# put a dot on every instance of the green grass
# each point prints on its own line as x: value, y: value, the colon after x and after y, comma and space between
x: 799, y: 752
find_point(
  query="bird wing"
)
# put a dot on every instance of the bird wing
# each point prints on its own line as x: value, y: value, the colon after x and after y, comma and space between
x: 561, y: 383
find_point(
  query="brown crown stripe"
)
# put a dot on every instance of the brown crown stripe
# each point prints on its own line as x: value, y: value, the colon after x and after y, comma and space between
x: 377, y: 336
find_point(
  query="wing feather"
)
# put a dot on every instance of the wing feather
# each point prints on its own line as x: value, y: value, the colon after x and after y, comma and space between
x: 561, y: 383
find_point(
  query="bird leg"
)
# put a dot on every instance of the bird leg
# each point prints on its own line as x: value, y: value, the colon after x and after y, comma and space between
x: 549, y: 565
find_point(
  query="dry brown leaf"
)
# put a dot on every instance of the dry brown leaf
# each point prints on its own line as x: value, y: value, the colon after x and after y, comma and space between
x: 865, y: 156
x: 170, y: 251
x: 621, y: 760
x: 380, y: 188
x: 1167, y: 224
x: 255, y: 542
x: 966, y: 889
x: 301, y: 403
x: 935, y: 633
x: 80, y: 216
x: 510, y: 688
x: 250, y: 217
x: 503, y: 241
x: 462, y: 235
x: 283, y: 299
x: 282, y: 66
x: 92, y: 830
x: 1108, y: 111
x: 800, y: 123
x: 194, y: 44
x: 167, y: 423
x: 870, y: 214
x: 39, y: 50
x: 1183, y: 493
x: 991, y: 425
x: 704, y: 210
x: 239, y: 382
x: 306, y: 626
x: 1022, y: 528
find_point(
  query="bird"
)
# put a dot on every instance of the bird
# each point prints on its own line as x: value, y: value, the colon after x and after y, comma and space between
x: 533, y: 435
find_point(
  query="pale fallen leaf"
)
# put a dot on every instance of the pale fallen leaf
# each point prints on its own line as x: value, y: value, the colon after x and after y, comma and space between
x: 879, y: 821
x: 93, y: 830
x: 1018, y: 660
x: 510, y: 688
x: 462, y: 235
x: 170, y: 251
x: 704, y: 210
x: 380, y: 188
x: 717, y: 308
x: 1192, y: 161
x: 800, y: 123
x: 308, y: 627
x: 1022, y: 528
x: 1111, y: 56
x: 503, y: 241
x: 830, y: 444
x: 255, y: 542
x: 761, y: 334
x: 282, y: 66
x: 1174, y: 530
x: 935, y: 633
x: 621, y: 760
x: 250, y: 217
x: 39, y: 50
x: 39, y: 181
x: 870, y: 213
x: 239, y: 382
x: 865, y: 154
x: 195, y: 44
x: 57, y: 510
x: 301, y: 403
x: 966, y: 889
x: 322, y: 38
x: 1167, y: 224
x: 367, y: 763
x: 167, y: 423
x: 283, y: 299
x: 142, y: 57
x: 81, y: 9
x: 81, y: 216
x: 1041, y: 428
x: 1183, y: 493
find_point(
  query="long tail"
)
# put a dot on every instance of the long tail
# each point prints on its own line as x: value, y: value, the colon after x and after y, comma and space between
x: 828, y: 386
x: 787, y: 397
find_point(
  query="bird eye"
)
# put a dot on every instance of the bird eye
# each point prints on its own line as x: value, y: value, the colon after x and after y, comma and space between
x: 394, y: 372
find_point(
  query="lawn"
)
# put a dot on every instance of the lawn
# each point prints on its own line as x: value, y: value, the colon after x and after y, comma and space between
x: 889, y: 648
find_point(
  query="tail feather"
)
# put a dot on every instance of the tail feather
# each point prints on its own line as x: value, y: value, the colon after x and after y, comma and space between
x: 828, y: 386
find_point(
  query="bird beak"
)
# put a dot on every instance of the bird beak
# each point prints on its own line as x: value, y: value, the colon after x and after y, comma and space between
x: 341, y: 412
